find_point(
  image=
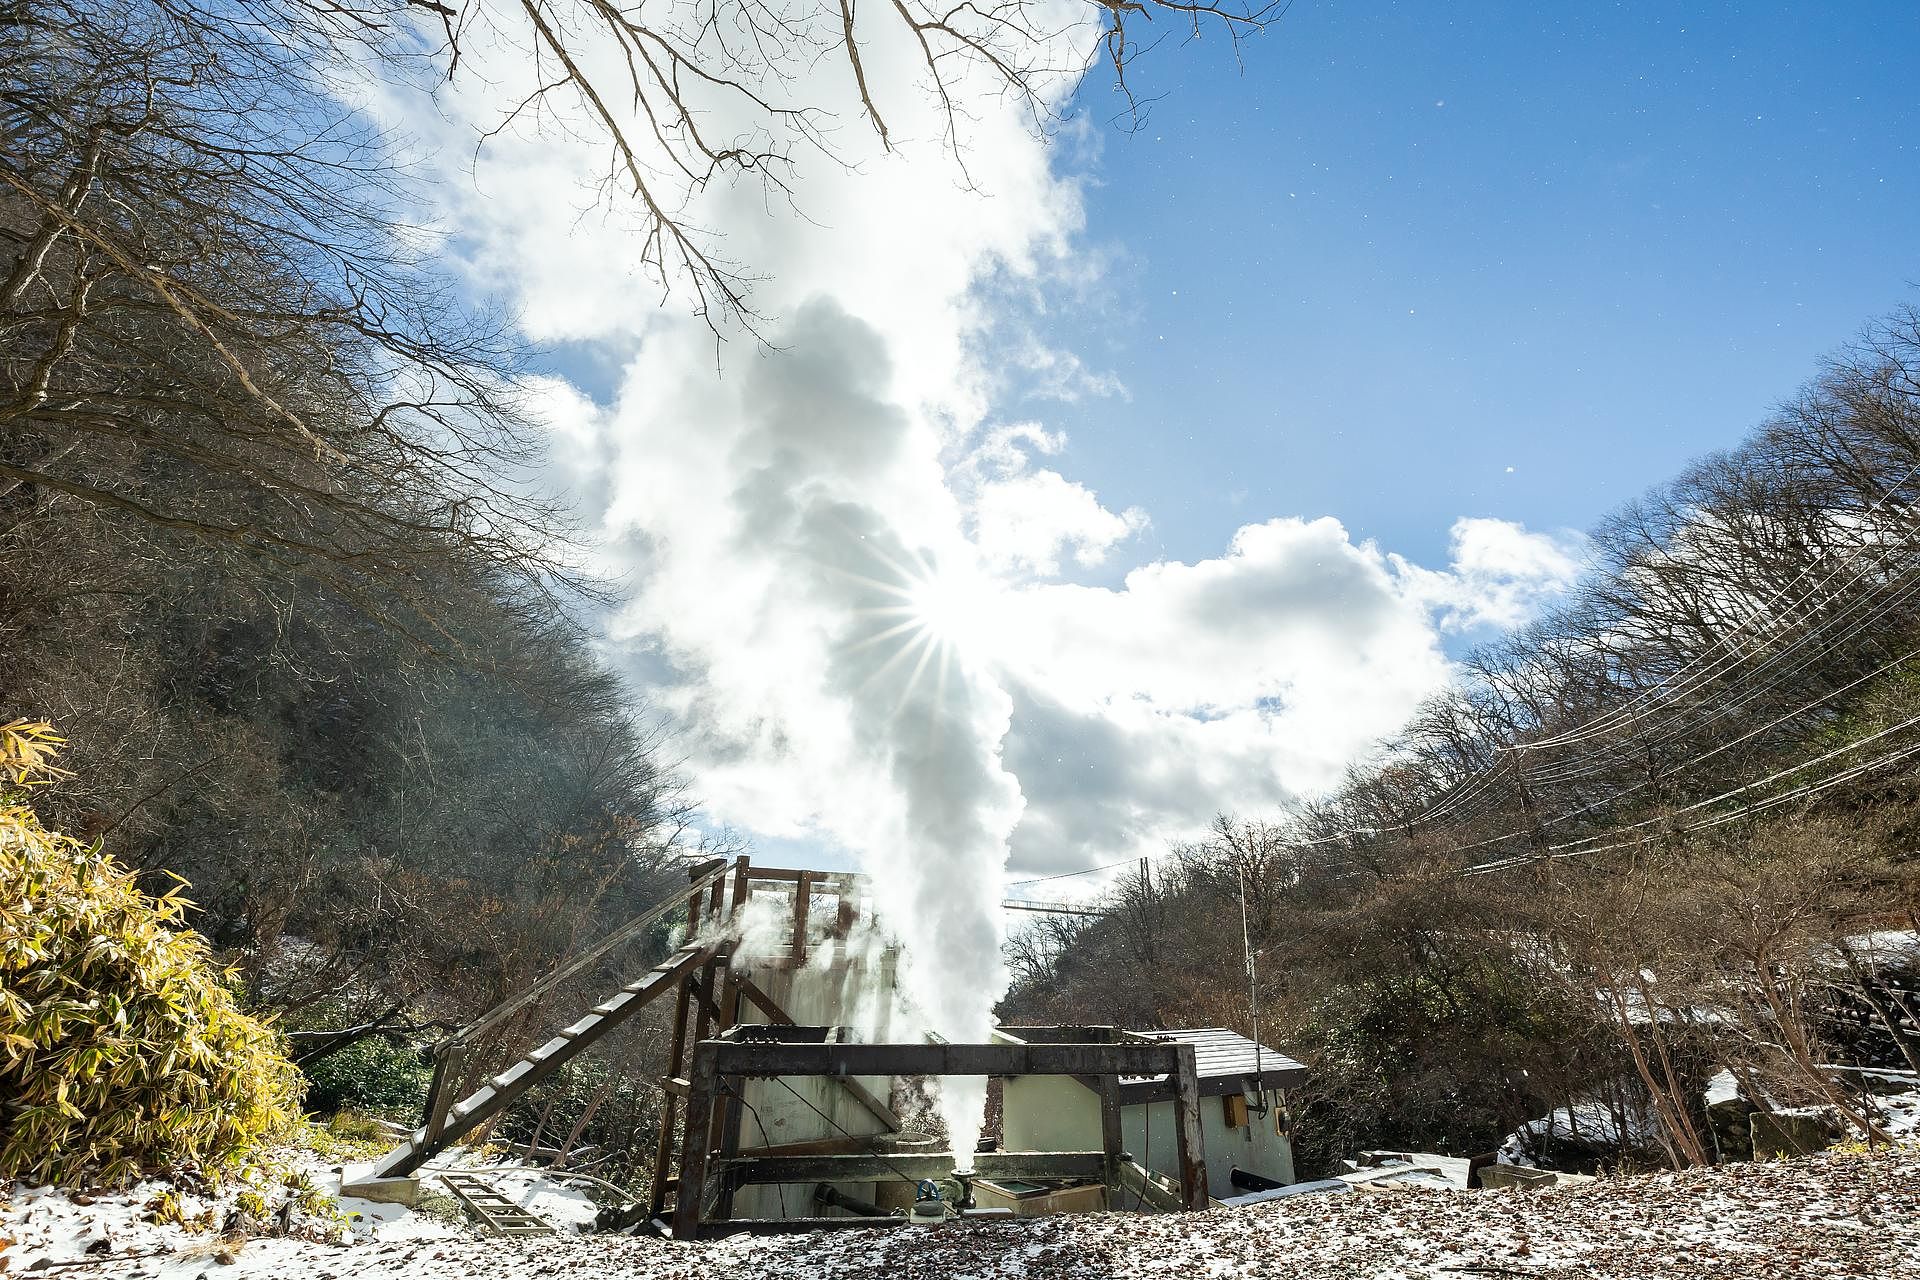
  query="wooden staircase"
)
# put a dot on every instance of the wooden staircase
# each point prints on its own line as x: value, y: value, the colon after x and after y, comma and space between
x: 710, y: 994
x: 446, y: 1121
x: 448, y: 1126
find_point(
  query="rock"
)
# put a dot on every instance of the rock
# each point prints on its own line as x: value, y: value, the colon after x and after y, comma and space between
x: 1782, y: 1134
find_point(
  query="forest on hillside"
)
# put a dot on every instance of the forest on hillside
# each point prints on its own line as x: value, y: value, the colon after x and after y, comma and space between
x: 1665, y: 831
x: 276, y: 558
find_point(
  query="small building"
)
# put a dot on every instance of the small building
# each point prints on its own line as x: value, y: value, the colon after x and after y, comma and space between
x: 1243, y: 1111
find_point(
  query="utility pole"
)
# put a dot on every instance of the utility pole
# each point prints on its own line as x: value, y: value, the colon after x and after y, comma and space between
x: 1149, y: 917
x: 1253, y: 989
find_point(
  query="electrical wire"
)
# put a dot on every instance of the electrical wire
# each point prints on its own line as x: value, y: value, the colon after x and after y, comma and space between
x: 1567, y: 770
x: 1573, y: 849
x: 1796, y: 713
x: 1068, y: 875
x: 740, y: 1096
x: 1615, y: 715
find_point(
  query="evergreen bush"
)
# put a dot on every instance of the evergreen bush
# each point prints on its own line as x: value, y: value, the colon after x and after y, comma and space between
x: 121, y: 1047
x: 371, y: 1075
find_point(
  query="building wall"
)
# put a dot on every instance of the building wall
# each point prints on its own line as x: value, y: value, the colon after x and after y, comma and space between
x: 1150, y: 1137
x: 1058, y: 1113
x: 1049, y: 1113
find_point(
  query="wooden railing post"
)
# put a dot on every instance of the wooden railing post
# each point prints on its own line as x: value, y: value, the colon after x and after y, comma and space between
x: 1191, y: 1138
x: 690, y: 1197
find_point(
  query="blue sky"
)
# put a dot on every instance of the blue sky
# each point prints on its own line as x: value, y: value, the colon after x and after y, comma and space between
x: 1414, y: 245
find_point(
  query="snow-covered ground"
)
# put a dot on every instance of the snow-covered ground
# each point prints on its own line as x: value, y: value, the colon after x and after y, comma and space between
x: 1828, y: 1215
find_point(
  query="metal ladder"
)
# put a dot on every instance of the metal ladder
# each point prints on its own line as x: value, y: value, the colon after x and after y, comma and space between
x: 496, y: 1212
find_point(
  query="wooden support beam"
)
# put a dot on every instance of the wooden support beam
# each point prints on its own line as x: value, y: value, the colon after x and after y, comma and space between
x: 1110, y: 1139
x: 448, y: 1059
x: 753, y: 1169
x: 788, y: 875
x: 669, y: 1105
x: 1133, y: 1058
x: 690, y: 1196
x: 802, y: 900
x: 834, y: 1146
x: 1192, y: 1142
x: 728, y: 1111
x: 776, y: 1058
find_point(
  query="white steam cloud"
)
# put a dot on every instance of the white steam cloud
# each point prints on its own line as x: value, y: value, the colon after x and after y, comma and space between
x: 838, y: 569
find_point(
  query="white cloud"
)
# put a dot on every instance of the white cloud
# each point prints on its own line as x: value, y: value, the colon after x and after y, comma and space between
x: 1241, y: 682
x: 1024, y: 519
x: 1501, y: 574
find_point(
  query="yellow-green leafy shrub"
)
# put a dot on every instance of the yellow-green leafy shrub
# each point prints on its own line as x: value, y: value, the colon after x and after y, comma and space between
x: 121, y: 1049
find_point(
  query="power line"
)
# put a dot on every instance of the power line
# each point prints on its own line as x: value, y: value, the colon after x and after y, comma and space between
x: 1574, y: 848
x: 1068, y: 875
x: 1615, y: 715
x: 1569, y: 770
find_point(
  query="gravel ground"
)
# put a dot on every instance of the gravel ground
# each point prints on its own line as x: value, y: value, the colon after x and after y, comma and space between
x: 1829, y: 1215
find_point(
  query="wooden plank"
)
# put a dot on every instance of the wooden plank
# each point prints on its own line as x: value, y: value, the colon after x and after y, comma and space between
x: 727, y: 1110
x: 1148, y: 1188
x: 789, y: 875
x: 689, y: 1197
x: 447, y: 1061
x: 755, y: 1169
x: 510, y: 1084
x: 802, y: 900
x: 1110, y: 1139
x: 798, y: 1059
x: 663, y: 1142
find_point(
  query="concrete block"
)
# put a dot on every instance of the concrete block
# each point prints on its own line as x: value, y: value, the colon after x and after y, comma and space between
x: 1516, y: 1175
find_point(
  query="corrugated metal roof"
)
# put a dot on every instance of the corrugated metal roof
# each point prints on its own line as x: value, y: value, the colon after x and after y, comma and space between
x: 1221, y: 1054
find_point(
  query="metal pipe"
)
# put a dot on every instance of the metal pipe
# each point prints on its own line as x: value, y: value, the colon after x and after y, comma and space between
x: 825, y: 1194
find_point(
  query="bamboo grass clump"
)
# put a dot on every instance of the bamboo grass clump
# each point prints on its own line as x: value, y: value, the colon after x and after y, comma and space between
x: 121, y: 1047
